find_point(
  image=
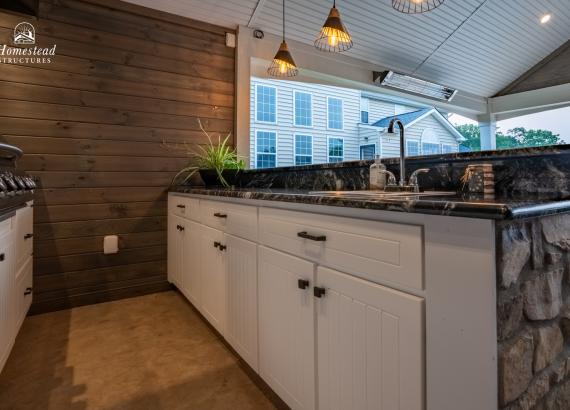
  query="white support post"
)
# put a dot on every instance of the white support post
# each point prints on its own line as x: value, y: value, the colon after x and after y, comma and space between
x: 488, y: 130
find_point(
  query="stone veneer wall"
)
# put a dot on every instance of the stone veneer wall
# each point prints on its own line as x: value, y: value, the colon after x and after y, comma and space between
x: 533, y: 313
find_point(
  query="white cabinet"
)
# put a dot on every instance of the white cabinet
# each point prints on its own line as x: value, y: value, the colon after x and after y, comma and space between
x: 370, y: 345
x: 191, y: 284
x: 286, y: 327
x: 241, y: 329
x: 175, y: 250
x: 213, y: 277
x: 8, y: 309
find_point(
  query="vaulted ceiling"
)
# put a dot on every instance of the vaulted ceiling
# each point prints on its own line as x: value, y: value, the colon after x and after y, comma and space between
x: 479, y: 46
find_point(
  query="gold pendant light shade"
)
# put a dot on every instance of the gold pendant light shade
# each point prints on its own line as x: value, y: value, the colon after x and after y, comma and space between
x: 416, y: 6
x: 283, y: 64
x: 334, y: 36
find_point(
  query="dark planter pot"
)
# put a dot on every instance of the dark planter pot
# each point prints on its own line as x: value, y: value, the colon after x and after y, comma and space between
x: 210, y: 177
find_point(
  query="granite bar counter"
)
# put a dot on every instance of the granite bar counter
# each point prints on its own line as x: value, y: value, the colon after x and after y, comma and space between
x: 463, y: 205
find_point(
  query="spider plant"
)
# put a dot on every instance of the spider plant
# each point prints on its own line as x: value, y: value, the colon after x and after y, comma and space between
x: 218, y: 157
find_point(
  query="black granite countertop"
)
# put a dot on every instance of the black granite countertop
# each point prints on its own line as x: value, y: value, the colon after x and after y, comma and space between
x: 470, y: 206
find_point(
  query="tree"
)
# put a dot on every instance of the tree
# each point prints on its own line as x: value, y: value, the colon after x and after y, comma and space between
x: 515, y: 138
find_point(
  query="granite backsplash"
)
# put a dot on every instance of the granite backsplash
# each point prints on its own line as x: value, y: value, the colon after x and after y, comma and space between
x: 528, y: 172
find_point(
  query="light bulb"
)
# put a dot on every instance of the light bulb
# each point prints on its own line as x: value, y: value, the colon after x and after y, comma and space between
x: 282, y: 67
x: 545, y: 19
x: 333, y: 40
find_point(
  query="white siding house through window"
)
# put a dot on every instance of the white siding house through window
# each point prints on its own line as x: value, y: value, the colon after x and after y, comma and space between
x: 294, y: 123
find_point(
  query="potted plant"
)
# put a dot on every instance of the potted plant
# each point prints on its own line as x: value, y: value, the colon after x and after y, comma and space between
x: 218, y: 164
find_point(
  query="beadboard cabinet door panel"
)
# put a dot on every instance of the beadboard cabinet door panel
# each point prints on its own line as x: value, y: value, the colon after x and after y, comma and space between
x: 175, y: 251
x: 213, y: 282
x: 8, y: 310
x: 241, y: 329
x: 370, y: 344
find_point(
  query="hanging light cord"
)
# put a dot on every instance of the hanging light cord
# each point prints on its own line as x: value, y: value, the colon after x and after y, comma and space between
x: 283, y: 20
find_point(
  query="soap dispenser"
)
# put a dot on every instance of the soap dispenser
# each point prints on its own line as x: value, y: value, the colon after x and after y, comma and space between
x: 377, y: 174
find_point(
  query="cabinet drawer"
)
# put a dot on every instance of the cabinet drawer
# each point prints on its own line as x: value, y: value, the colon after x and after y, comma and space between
x: 184, y: 207
x: 238, y: 220
x: 377, y: 251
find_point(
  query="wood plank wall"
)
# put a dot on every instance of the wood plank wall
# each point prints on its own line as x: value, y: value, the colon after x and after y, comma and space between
x: 92, y: 123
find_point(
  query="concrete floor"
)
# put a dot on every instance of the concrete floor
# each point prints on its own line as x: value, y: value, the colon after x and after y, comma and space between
x: 145, y: 353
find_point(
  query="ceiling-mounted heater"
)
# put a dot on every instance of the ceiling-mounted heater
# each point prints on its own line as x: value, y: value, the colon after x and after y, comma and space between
x: 414, y: 85
x: 30, y: 7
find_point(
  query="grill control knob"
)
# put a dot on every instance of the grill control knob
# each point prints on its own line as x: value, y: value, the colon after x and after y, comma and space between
x: 20, y: 182
x: 12, y: 186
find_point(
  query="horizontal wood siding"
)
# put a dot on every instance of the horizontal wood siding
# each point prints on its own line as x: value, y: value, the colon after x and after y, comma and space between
x: 93, y: 123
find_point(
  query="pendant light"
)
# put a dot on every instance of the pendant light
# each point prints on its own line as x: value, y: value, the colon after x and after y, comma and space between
x: 333, y: 36
x: 416, y: 6
x: 283, y: 64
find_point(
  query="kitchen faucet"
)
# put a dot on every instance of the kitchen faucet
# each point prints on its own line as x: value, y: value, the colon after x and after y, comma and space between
x: 413, y: 183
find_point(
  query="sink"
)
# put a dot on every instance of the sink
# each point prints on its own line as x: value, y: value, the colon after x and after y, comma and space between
x: 364, y: 194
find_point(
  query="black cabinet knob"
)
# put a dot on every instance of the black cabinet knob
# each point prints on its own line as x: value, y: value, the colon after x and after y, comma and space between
x: 2, y: 257
x: 319, y: 292
x: 216, y: 244
x: 303, y: 283
x: 28, y: 236
x: 222, y: 247
x: 180, y: 228
x: 316, y: 238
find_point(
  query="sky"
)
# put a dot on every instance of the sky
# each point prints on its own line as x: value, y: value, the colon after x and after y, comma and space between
x: 557, y: 121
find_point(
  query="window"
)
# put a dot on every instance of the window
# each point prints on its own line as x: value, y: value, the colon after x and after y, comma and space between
x: 303, y: 109
x: 367, y: 151
x: 303, y: 149
x: 266, y: 149
x: 448, y: 148
x: 336, y: 149
x: 335, y: 114
x: 266, y: 106
x: 364, y: 109
x: 429, y: 148
x: 412, y: 148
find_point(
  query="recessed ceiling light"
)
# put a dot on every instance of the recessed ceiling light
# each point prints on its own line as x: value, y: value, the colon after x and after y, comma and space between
x: 546, y: 18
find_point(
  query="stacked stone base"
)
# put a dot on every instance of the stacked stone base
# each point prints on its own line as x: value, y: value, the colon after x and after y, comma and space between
x: 533, y: 313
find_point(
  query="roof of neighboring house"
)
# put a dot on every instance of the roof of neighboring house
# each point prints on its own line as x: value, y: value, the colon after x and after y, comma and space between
x: 406, y: 118
x: 411, y: 118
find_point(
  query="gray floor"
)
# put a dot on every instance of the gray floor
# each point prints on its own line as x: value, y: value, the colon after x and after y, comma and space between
x: 150, y: 352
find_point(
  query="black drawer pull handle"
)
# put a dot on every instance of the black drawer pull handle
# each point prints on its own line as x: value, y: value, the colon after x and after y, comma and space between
x: 319, y: 292
x: 28, y: 291
x: 2, y: 257
x: 222, y: 247
x: 181, y: 206
x: 28, y: 236
x: 217, y: 244
x: 317, y: 238
x: 180, y: 228
x: 303, y: 283
x: 219, y: 215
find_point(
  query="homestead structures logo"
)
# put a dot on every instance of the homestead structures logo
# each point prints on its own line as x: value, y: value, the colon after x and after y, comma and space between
x: 24, y: 33
x: 23, y: 52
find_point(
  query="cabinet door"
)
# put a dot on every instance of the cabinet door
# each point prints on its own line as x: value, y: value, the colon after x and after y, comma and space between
x: 213, y: 277
x: 241, y: 329
x: 370, y: 345
x: 286, y: 327
x: 191, y: 263
x: 8, y: 303
x: 175, y: 249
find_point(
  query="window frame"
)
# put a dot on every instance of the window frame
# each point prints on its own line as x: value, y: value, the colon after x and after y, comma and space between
x: 265, y: 153
x: 276, y: 103
x: 341, y: 112
x: 454, y: 148
x: 295, y: 109
x: 367, y: 145
x: 329, y: 137
x: 431, y: 143
x: 295, y: 148
x: 417, y: 141
x: 367, y: 110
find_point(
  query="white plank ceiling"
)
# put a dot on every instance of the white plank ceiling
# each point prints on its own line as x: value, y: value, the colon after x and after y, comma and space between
x: 479, y: 46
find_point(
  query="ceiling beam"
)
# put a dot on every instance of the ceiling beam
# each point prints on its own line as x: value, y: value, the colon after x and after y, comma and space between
x: 256, y: 13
